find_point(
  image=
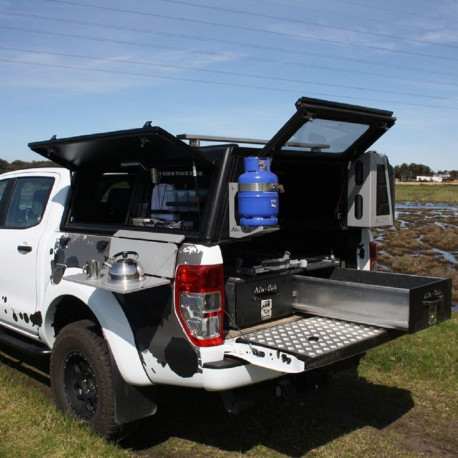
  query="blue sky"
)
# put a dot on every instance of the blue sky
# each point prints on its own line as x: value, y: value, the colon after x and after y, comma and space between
x: 229, y: 68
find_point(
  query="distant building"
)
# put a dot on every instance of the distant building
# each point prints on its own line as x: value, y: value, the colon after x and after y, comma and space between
x: 434, y: 178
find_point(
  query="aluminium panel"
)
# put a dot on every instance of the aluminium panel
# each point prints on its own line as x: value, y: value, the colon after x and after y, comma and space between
x: 317, y: 340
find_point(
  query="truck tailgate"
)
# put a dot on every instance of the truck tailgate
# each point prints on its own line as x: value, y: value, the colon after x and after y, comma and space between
x: 306, y: 343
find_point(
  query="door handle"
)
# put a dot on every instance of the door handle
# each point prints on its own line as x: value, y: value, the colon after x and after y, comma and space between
x: 24, y: 249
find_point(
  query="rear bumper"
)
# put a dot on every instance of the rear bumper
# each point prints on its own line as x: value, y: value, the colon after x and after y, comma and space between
x: 229, y: 378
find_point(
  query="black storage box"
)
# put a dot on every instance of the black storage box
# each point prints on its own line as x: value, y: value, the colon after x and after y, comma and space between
x: 409, y: 303
x: 254, y: 300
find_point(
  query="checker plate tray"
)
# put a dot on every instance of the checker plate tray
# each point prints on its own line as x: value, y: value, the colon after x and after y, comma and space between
x: 319, y: 340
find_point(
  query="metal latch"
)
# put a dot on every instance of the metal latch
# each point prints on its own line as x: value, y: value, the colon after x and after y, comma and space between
x: 432, y: 302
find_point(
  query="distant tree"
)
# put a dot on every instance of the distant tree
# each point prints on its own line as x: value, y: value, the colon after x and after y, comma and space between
x: 402, y: 172
x: 409, y: 172
x: 3, y: 165
x: 6, y: 166
x: 18, y: 164
x: 420, y: 170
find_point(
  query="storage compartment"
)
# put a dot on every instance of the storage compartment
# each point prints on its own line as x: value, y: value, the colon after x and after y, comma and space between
x: 254, y: 300
x: 370, y: 192
x: 405, y: 302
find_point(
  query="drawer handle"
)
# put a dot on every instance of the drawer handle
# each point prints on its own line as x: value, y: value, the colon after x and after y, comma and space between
x: 433, y: 302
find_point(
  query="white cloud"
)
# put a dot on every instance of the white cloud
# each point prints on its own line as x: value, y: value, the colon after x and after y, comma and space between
x: 333, y: 36
x: 443, y: 36
x: 41, y: 70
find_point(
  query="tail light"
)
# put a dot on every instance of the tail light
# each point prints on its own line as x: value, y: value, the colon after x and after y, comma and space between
x: 199, y: 302
x: 373, y: 255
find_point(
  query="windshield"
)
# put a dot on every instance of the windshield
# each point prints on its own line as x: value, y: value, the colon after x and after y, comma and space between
x: 325, y: 136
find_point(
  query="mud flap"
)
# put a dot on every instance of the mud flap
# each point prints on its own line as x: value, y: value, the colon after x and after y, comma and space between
x: 131, y: 402
x: 307, y: 343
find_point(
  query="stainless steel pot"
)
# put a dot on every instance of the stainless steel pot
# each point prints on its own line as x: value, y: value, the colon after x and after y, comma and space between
x: 124, y: 267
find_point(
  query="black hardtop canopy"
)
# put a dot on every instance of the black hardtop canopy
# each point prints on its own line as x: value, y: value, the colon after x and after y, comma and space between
x: 112, y: 151
x: 369, y: 124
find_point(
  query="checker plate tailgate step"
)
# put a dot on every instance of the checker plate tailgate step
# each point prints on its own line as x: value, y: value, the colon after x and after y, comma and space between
x: 308, y: 343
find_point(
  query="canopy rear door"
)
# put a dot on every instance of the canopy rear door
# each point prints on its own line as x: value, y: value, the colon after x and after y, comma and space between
x: 329, y: 128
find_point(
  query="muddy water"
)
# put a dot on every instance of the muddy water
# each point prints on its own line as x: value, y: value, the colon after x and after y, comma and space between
x: 423, y: 241
x: 444, y: 216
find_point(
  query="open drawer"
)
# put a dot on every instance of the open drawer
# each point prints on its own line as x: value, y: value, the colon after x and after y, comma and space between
x: 405, y: 302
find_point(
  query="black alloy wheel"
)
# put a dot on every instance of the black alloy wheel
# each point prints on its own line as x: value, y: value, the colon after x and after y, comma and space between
x: 81, y: 377
x: 80, y: 385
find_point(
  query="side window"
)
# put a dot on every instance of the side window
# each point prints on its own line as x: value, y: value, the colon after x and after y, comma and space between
x: 28, y: 202
x: 178, y: 198
x: 3, y: 185
x: 170, y: 197
x: 102, y: 198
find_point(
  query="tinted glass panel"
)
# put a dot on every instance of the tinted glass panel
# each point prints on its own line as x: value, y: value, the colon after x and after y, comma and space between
x: 103, y: 198
x: 3, y: 185
x: 325, y: 136
x: 169, y: 197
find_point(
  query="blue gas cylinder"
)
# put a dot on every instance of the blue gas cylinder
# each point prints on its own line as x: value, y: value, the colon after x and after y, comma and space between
x: 258, y: 193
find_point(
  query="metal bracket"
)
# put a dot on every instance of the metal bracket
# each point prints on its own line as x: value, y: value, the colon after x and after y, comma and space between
x: 267, y: 358
x: 235, y: 230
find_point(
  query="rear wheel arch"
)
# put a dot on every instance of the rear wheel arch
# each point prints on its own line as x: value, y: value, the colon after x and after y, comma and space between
x: 81, y: 376
x: 103, y: 309
x: 68, y: 310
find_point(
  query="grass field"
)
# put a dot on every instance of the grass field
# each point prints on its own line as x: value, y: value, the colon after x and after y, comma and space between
x: 30, y: 425
x: 426, y: 193
x: 404, y: 403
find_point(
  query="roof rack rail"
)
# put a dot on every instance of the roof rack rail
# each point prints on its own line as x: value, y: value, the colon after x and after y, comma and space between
x: 194, y: 140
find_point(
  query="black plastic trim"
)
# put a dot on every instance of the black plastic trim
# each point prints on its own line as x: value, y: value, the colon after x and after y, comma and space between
x: 226, y: 363
x: 23, y: 343
x: 131, y: 402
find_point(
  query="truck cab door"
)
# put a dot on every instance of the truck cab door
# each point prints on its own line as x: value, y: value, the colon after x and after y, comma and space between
x: 22, y: 225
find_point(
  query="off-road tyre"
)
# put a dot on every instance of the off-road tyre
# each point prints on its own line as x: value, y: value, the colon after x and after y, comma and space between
x: 81, y: 377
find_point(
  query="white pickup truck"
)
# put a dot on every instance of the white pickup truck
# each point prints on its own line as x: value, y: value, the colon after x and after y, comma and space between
x: 150, y: 259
